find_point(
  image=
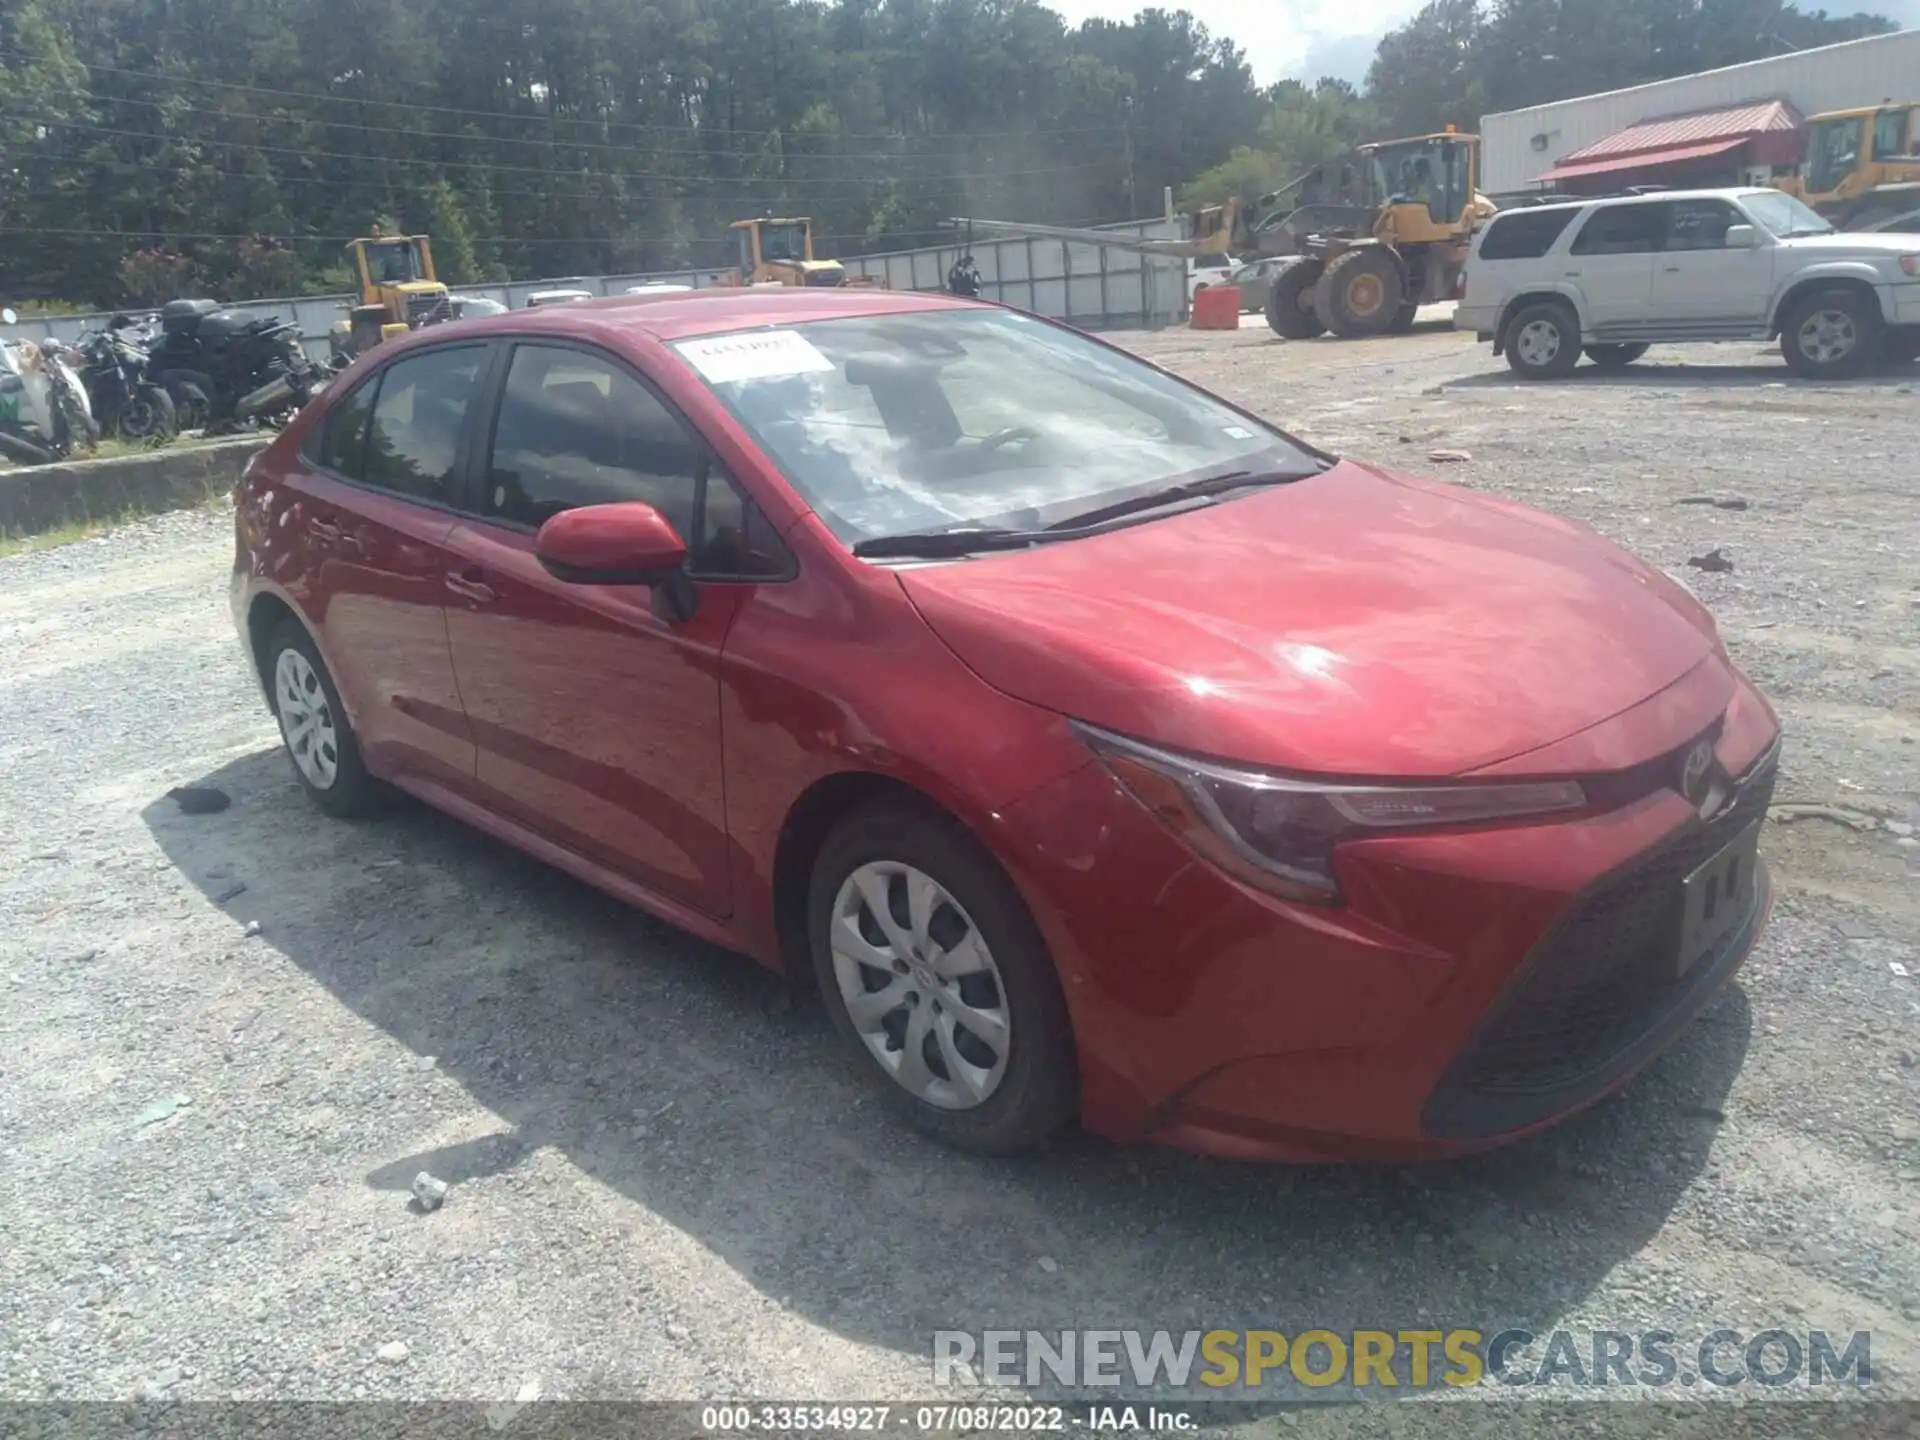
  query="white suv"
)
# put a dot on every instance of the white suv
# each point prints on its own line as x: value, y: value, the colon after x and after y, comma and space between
x: 1614, y: 276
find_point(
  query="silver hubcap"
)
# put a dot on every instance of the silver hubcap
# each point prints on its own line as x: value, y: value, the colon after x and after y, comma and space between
x: 306, y: 719
x: 1827, y: 336
x: 920, y: 985
x: 1538, y: 342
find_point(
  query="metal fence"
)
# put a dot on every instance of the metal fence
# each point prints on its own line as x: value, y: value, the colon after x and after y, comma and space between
x: 1086, y: 285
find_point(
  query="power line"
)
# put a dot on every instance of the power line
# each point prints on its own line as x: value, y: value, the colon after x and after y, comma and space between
x: 431, y: 163
x: 415, y: 106
x: 464, y: 137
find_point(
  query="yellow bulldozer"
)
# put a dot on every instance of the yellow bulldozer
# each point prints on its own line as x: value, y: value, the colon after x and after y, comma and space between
x: 398, y: 292
x: 1862, y: 170
x: 771, y: 251
x: 1366, y: 268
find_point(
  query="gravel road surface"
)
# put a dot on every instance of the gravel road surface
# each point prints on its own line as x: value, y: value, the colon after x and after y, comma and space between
x: 229, y: 1042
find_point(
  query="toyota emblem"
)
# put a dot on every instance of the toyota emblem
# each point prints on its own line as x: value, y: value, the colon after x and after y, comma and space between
x: 1694, y: 772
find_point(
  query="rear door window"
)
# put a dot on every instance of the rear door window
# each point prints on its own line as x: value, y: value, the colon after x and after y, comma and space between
x: 1620, y: 230
x: 413, y: 443
x: 342, y: 443
x: 1525, y: 235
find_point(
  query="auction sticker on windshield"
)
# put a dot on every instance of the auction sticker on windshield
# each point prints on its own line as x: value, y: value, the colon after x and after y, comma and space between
x: 758, y: 355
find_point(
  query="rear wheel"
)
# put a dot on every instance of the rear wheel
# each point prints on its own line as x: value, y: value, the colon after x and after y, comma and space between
x: 1290, y: 311
x: 1831, y: 334
x: 933, y: 970
x: 313, y: 723
x: 1543, y: 342
x: 1614, y: 357
x: 1360, y: 293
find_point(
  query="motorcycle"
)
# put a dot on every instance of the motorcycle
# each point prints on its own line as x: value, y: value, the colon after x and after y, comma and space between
x: 44, y: 412
x: 224, y: 370
x: 113, y: 367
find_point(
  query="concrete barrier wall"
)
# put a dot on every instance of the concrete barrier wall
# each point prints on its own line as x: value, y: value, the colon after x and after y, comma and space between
x: 1087, y: 285
x: 38, y: 498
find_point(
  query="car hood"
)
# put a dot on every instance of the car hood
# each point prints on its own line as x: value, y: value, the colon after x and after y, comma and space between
x: 1355, y: 623
x: 1848, y: 244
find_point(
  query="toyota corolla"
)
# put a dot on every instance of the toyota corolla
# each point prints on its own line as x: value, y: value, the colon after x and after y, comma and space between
x: 1101, y: 751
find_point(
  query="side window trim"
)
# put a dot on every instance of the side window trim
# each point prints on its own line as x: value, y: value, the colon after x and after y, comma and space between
x: 494, y: 391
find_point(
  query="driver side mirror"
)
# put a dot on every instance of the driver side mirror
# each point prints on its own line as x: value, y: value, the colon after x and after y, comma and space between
x: 1741, y: 237
x: 627, y: 543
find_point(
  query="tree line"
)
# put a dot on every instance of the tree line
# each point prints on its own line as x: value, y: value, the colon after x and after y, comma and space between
x: 154, y: 148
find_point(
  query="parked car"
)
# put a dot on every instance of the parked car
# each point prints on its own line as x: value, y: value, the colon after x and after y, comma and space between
x: 557, y: 297
x: 1614, y: 276
x: 1207, y: 270
x: 1255, y: 280
x: 1098, y: 749
x: 661, y: 287
x: 473, y: 307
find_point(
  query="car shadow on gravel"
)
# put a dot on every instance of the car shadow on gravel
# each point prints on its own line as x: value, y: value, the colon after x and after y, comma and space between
x: 684, y: 1078
x: 1688, y: 376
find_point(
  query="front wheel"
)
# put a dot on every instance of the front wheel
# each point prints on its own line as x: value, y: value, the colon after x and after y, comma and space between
x: 1831, y: 335
x: 1290, y: 312
x: 1543, y: 342
x: 1615, y: 357
x: 932, y: 968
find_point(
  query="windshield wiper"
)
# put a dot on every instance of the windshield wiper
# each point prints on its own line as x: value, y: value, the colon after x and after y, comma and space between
x: 1173, y: 494
x: 935, y: 544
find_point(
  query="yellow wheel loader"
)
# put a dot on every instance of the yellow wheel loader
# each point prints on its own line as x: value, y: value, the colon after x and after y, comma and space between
x: 1862, y: 169
x: 398, y: 292
x: 1367, y: 269
x: 772, y: 251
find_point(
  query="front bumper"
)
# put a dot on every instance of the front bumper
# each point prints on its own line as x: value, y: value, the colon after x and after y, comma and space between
x: 1476, y: 985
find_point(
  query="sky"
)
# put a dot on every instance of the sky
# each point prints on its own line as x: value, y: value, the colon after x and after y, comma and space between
x: 1310, y: 38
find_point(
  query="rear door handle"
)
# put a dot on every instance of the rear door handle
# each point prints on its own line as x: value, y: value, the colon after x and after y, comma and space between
x: 470, y: 584
x: 1673, y: 269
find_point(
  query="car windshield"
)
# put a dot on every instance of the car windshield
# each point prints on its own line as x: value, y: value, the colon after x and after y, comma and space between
x: 936, y: 420
x: 1782, y: 215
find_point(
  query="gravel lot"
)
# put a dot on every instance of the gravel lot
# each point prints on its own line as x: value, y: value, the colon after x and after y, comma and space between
x: 228, y: 1042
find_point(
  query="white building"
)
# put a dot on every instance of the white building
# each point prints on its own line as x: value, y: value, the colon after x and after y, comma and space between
x: 1520, y: 146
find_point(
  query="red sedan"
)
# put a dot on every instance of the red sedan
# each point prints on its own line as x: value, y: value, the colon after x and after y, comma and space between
x: 1102, y: 751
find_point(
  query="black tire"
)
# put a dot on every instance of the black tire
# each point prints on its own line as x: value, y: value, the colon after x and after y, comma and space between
x: 352, y: 792
x: 1404, y: 317
x: 1360, y: 292
x: 1289, y: 308
x: 1816, y: 323
x: 148, y: 414
x: 1544, y: 358
x: 1038, y: 1090
x: 1615, y: 357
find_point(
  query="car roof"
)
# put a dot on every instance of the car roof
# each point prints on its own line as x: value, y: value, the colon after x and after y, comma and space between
x: 1575, y: 202
x: 679, y: 315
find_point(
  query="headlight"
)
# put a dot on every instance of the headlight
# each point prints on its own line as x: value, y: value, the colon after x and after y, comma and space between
x: 1278, y: 833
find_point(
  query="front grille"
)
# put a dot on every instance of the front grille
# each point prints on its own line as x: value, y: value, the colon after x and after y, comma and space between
x: 1597, y: 984
x: 428, y: 307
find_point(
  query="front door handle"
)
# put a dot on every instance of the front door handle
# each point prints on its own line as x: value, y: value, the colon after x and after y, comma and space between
x: 471, y: 584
